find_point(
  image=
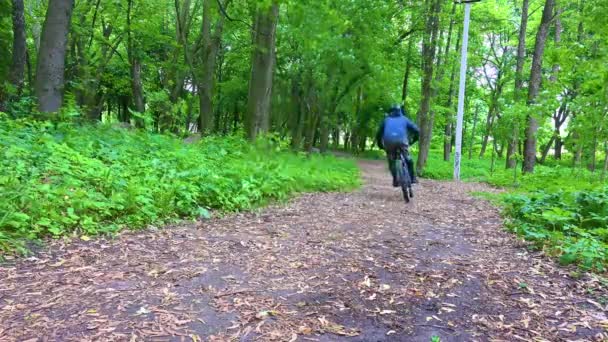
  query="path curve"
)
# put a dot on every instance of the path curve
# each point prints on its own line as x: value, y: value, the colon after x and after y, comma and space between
x: 324, y: 267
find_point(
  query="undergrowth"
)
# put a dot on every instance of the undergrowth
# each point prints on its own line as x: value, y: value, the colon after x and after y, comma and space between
x: 61, y: 180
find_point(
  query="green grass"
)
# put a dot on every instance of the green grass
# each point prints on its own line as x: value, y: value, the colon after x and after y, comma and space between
x: 66, y: 180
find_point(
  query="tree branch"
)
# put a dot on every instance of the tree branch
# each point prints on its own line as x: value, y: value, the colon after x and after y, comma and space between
x: 223, y: 10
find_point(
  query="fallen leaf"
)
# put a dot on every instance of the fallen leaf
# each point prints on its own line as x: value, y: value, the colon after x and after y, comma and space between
x: 304, y: 330
x: 59, y: 263
x: 142, y: 311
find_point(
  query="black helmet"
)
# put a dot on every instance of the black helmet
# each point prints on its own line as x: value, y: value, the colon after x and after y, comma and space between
x: 395, y: 110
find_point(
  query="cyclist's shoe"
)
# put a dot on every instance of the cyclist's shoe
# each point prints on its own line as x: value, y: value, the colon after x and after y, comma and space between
x: 395, y: 183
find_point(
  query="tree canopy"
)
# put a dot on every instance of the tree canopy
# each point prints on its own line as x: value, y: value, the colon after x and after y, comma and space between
x: 320, y: 73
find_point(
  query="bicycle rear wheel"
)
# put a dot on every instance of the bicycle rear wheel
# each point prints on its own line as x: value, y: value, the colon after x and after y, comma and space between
x: 404, y: 179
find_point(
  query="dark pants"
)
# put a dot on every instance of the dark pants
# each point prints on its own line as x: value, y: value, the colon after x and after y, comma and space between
x: 392, y: 155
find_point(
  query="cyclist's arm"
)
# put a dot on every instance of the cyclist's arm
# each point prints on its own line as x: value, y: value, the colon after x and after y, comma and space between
x: 414, y: 132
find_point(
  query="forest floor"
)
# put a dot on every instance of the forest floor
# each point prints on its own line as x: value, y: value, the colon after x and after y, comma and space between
x: 359, y: 266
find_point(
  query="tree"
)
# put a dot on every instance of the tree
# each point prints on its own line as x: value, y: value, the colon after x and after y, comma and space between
x: 209, y: 49
x: 519, y: 68
x: 425, y: 114
x: 534, y: 86
x: 262, y: 68
x: 17, y: 70
x: 51, y: 55
x: 135, y: 66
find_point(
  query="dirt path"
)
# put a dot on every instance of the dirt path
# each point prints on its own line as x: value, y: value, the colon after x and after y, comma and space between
x: 325, y: 267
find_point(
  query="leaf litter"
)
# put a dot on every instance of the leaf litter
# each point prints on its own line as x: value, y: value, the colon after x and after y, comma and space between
x: 324, y: 267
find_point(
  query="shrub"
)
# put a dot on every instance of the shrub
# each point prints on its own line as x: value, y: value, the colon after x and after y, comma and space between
x: 58, y: 180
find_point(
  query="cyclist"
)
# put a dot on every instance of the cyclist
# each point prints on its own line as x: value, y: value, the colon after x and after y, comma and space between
x: 395, y: 132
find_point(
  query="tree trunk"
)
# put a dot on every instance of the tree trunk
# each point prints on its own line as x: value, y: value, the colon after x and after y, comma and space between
x: 262, y: 67
x: 534, y: 86
x: 311, y: 128
x: 335, y: 138
x: 425, y: 117
x: 486, y: 135
x: 500, y: 149
x: 557, y: 39
x: 346, y: 141
x: 210, y: 49
x: 324, y: 132
x: 296, y: 111
x: 563, y: 113
x: 558, y: 148
x: 519, y: 69
x: 593, y: 162
x: 605, y: 168
x: 17, y: 70
x: 362, y: 144
x: 448, y: 136
x: 406, y: 76
x: 521, y: 51
x: 472, y: 141
x: 511, y: 151
x: 545, y: 150
x: 137, y: 88
x: 51, y: 56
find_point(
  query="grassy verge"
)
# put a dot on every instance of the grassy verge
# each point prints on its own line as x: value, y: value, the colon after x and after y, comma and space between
x: 65, y: 180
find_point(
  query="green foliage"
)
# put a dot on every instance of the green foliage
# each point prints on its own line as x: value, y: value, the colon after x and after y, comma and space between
x: 571, y: 225
x: 58, y: 180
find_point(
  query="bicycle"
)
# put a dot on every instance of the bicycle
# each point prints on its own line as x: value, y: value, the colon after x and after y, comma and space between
x: 403, y: 175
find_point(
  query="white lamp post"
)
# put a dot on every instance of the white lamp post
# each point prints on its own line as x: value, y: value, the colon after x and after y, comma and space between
x: 461, y: 89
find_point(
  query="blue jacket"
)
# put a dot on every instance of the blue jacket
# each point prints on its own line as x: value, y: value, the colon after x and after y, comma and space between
x: 396, y: 128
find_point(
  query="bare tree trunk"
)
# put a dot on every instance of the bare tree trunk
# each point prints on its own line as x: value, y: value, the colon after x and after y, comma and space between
x: 447, y: 139
x: 324, y: 131
x: 311, y: 128
x: 346, y: 141
x: 592, y: 164
x: 605, y: 168
x: 425, y: 117
x: 262, y: 68
x: 210, y: 50
x: 472, y: 141
x: 136, y: 81
x: 137, y: 86
x: 406, y: 76
x: 17, y: 70
x: 519, y: 70
x: 557, y: 39
x: 486, y: 135
x: 296, y: 112
x: 545, y: 150
x: 556, y: 138
x: 534, y: 86
x: 335, y: 138
x: 51, y: 56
